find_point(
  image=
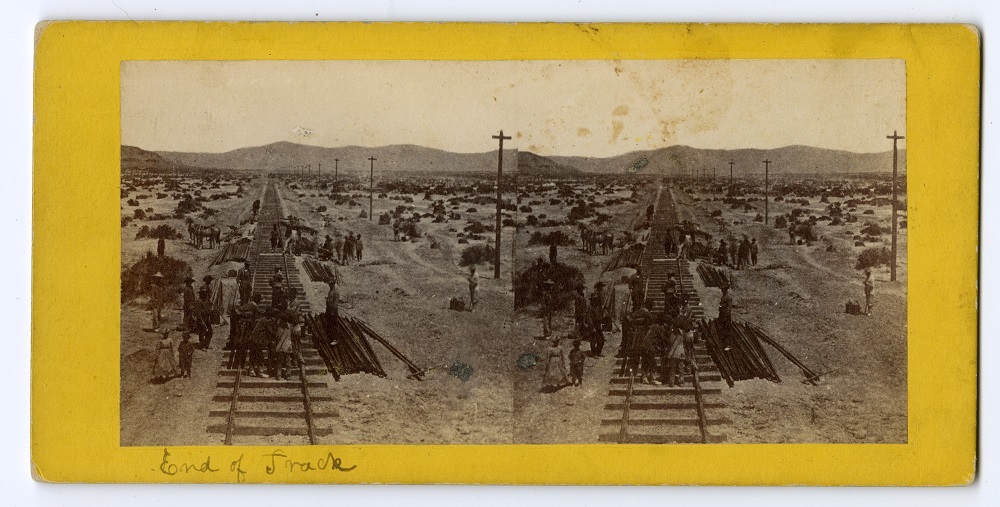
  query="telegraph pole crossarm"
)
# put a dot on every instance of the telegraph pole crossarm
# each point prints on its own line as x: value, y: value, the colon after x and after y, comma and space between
x: 496, y: 250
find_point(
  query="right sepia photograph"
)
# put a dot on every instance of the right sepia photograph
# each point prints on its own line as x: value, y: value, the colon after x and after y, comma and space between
x: 712, y: 251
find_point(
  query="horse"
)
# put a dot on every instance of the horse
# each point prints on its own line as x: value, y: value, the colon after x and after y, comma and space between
x: 200, y: 232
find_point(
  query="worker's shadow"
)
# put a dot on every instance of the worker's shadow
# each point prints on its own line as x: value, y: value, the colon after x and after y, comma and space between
x: 551, y: 389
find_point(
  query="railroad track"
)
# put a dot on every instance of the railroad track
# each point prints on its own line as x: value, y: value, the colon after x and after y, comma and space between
x: 259, y: 410
x: 656, y: 414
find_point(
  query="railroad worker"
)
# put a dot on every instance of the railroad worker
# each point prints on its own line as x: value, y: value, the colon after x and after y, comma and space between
x: 576, y: 360
x: 189, y: 302
x: 579, y: 309
x: 670, y: 299
x: 555, y: 367
x: 203, y: 317
x: 161, y: 246
x: 548, y: 306
x: 275, y: 236
x: 649, y: 212
x: 338, y: 246
x: 745, y: 252
x: 289, y: 247
x: 278, y: 278
x: 675, y: 357
x: 244, y: 279
x: 282, y: 352
x: 165, y: 367
x: 395, y: 230
x: 185, y: 353
x: 734, y: 252
x: 638, y: 321
x: 359, y: 246
x: 668, y: 244
x: 553, y: 253
x: 635, y: 289
x: 259, y: 342
x: 791, y: 233
x: 332, y: 313
x: 645, y: 349
x: 753, y: 251
x: 326, y: 250
x: 242, y: 321
x: 722, y: 254
x: 724, y: 323
x: 157, y: 299
x: 869, y: 289
x: 473, y: 280
x: 348, y: 250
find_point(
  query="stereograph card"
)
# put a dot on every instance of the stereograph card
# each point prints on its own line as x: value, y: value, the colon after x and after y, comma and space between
x: 593, y: 254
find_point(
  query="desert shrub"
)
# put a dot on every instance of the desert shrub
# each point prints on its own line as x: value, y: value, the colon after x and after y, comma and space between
x: 525, y: 209
x: 558, y: 238
x: 717, y: 213
x: 139, y: 214
x: 578, y: 213
x: 320, y: 209
x: 873, y: 229
x: 902, y: 224
x: 528, y: 285
x: 187, y: 205
x: 868, y: 212
x: 758, y: 218
x: 132, y: 202
x: 836, y: 221
x: 477, y: 254
x: 532, y: 220
x: 872, y: 257
x: 161, y: 231
x: 137, y: 278
x: 126, y: 220
x: 477, y: 228
x: 780, y: 222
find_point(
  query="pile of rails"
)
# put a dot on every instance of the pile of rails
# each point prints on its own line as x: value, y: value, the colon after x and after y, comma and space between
x: 746, y: 358
x: 631, y: 256
x: 238, y: 251
x: 346, y: 349
x: 715, y: 277
x: 318, y: 271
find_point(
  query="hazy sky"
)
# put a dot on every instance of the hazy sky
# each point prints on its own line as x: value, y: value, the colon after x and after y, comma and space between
x: 589, y: 108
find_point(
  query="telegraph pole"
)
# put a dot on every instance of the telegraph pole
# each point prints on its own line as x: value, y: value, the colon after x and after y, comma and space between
x: 767, y: 165
x: 371, y: 186
x: 336, y: 165
x: 894, y: 138
x: 496, y: 251
x: 731, y: 178
x: 319, y: 168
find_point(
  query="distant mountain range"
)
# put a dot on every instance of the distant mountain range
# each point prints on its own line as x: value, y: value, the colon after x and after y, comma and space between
x: 285, y: 155
x: 536, y: 165
x: 670, y: 161
x: 138, y: 159
x: 680, y: 160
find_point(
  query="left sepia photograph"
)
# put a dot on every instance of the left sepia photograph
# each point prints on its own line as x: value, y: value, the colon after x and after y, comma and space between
x: 314, y: 253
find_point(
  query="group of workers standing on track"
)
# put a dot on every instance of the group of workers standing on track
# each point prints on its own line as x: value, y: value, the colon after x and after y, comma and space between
x: 342, y: 248
x: 668, y: 335
x: 263, y: 338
